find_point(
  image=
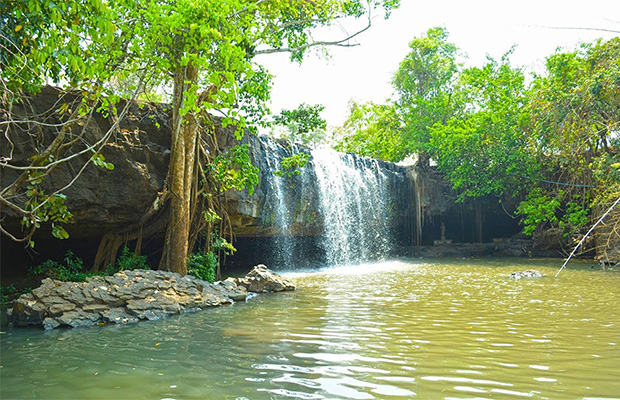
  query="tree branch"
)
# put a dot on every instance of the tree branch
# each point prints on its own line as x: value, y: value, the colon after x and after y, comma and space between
x: 577, y: 28
x: 338, y: 43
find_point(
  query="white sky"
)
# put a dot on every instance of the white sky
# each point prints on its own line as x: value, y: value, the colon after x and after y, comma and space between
x: 477, y: 27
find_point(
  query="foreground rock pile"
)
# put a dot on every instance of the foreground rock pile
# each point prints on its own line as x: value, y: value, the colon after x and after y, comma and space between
x: 132, y: 296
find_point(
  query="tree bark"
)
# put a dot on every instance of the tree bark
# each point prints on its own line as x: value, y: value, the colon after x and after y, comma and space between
x: 181, y: 174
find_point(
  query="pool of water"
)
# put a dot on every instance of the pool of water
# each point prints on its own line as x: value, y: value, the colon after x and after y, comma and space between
x: 393, y: 330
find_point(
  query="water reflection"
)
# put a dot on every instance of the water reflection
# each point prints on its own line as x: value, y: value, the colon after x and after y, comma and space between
x: 380, y: 331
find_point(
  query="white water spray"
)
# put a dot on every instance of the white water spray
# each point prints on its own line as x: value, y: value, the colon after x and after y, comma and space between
x: 355, y: 207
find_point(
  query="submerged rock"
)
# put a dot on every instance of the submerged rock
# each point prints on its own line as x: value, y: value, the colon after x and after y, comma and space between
x: 262, y: 280
x: 530, y: 273
x: 132, y: 296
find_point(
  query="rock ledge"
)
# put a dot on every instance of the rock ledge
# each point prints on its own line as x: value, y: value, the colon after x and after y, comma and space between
x: 132, y: 296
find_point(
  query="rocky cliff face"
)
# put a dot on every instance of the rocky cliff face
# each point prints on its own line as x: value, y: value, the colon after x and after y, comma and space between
x: 103, y: 200
x: 100, y: 200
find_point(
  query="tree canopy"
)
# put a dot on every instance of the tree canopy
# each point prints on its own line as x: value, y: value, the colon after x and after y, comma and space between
x: 303, y: 124
x: 550, y: 145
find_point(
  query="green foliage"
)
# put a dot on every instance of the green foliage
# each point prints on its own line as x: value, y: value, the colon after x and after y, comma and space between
x: 210, y: 216
x: 234, y: 170
x: 128, y: 261
x: 424, y: 84
x: 538, y: 209
x: 99, y: 160
x: 205, y: 264
x: 10, y: 293
x: 6, y: 293
x: 491, y: 135
x: 71, y: 269
x: 45, y: 208
x: 290, y: 166
x: 484, y: 151
x: 575, y: 116
x: 304, y: 124
x: 575, y: 217
x: 62, y: 41
x: 202, y: 266
x: 372, y: 130
x: 219, y: 243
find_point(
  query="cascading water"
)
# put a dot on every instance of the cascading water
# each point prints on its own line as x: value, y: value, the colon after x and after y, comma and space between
x: 341, y: 208
x: 276, y: 205
x: 355, y: 205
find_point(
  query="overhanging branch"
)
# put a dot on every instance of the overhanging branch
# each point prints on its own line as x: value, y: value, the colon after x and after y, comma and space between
x: 339, y: 43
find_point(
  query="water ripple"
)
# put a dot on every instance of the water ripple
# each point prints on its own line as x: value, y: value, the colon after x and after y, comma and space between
x: 393, y: 330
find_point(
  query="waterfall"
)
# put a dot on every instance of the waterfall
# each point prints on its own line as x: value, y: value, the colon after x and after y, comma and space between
x: 340, y: 209
x: 278, y: 214
x: 355, y: 205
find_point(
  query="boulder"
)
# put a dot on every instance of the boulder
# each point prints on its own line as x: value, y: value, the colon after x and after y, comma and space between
x: 530, y: 273
x: 262, y: 280
x: 132, y: 296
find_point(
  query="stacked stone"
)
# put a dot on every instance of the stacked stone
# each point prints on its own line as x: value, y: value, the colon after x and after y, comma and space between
x: 132, y: 296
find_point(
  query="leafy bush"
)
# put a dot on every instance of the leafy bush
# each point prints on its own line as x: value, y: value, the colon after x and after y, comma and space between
x: 219, y: 243
x: 5, y: 293
x: 202, y: 266
x: 72, y: 269
x: 129, y: 261
x: 537, y: 209
x: 234, y: 170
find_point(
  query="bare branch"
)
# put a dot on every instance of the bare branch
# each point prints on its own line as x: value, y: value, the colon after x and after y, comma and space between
x: 586, y: 235
x: 57, y: 143
x: 576, y: 28
x: 338, y: 43
x: 34, y: 122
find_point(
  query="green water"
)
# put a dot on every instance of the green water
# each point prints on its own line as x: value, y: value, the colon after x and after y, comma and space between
x: 394, y: 330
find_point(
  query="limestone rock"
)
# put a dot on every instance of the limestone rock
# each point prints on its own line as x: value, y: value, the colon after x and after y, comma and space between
x: 125, y: 297
x: 132, y: 296
x: 261, y: 279
x: 50, y: 323
x: 530, y: 273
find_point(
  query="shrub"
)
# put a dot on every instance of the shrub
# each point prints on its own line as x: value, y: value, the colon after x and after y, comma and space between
x: 130, y: 261
x: 202, y: 266
x: 72, y: 269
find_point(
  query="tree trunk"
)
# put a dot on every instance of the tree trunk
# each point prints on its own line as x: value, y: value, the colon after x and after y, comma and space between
x: 181, y: 174
x: 478, y: 220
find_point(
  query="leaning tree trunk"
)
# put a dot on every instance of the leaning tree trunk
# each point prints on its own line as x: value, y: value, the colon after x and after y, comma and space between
x: 181, y: 174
